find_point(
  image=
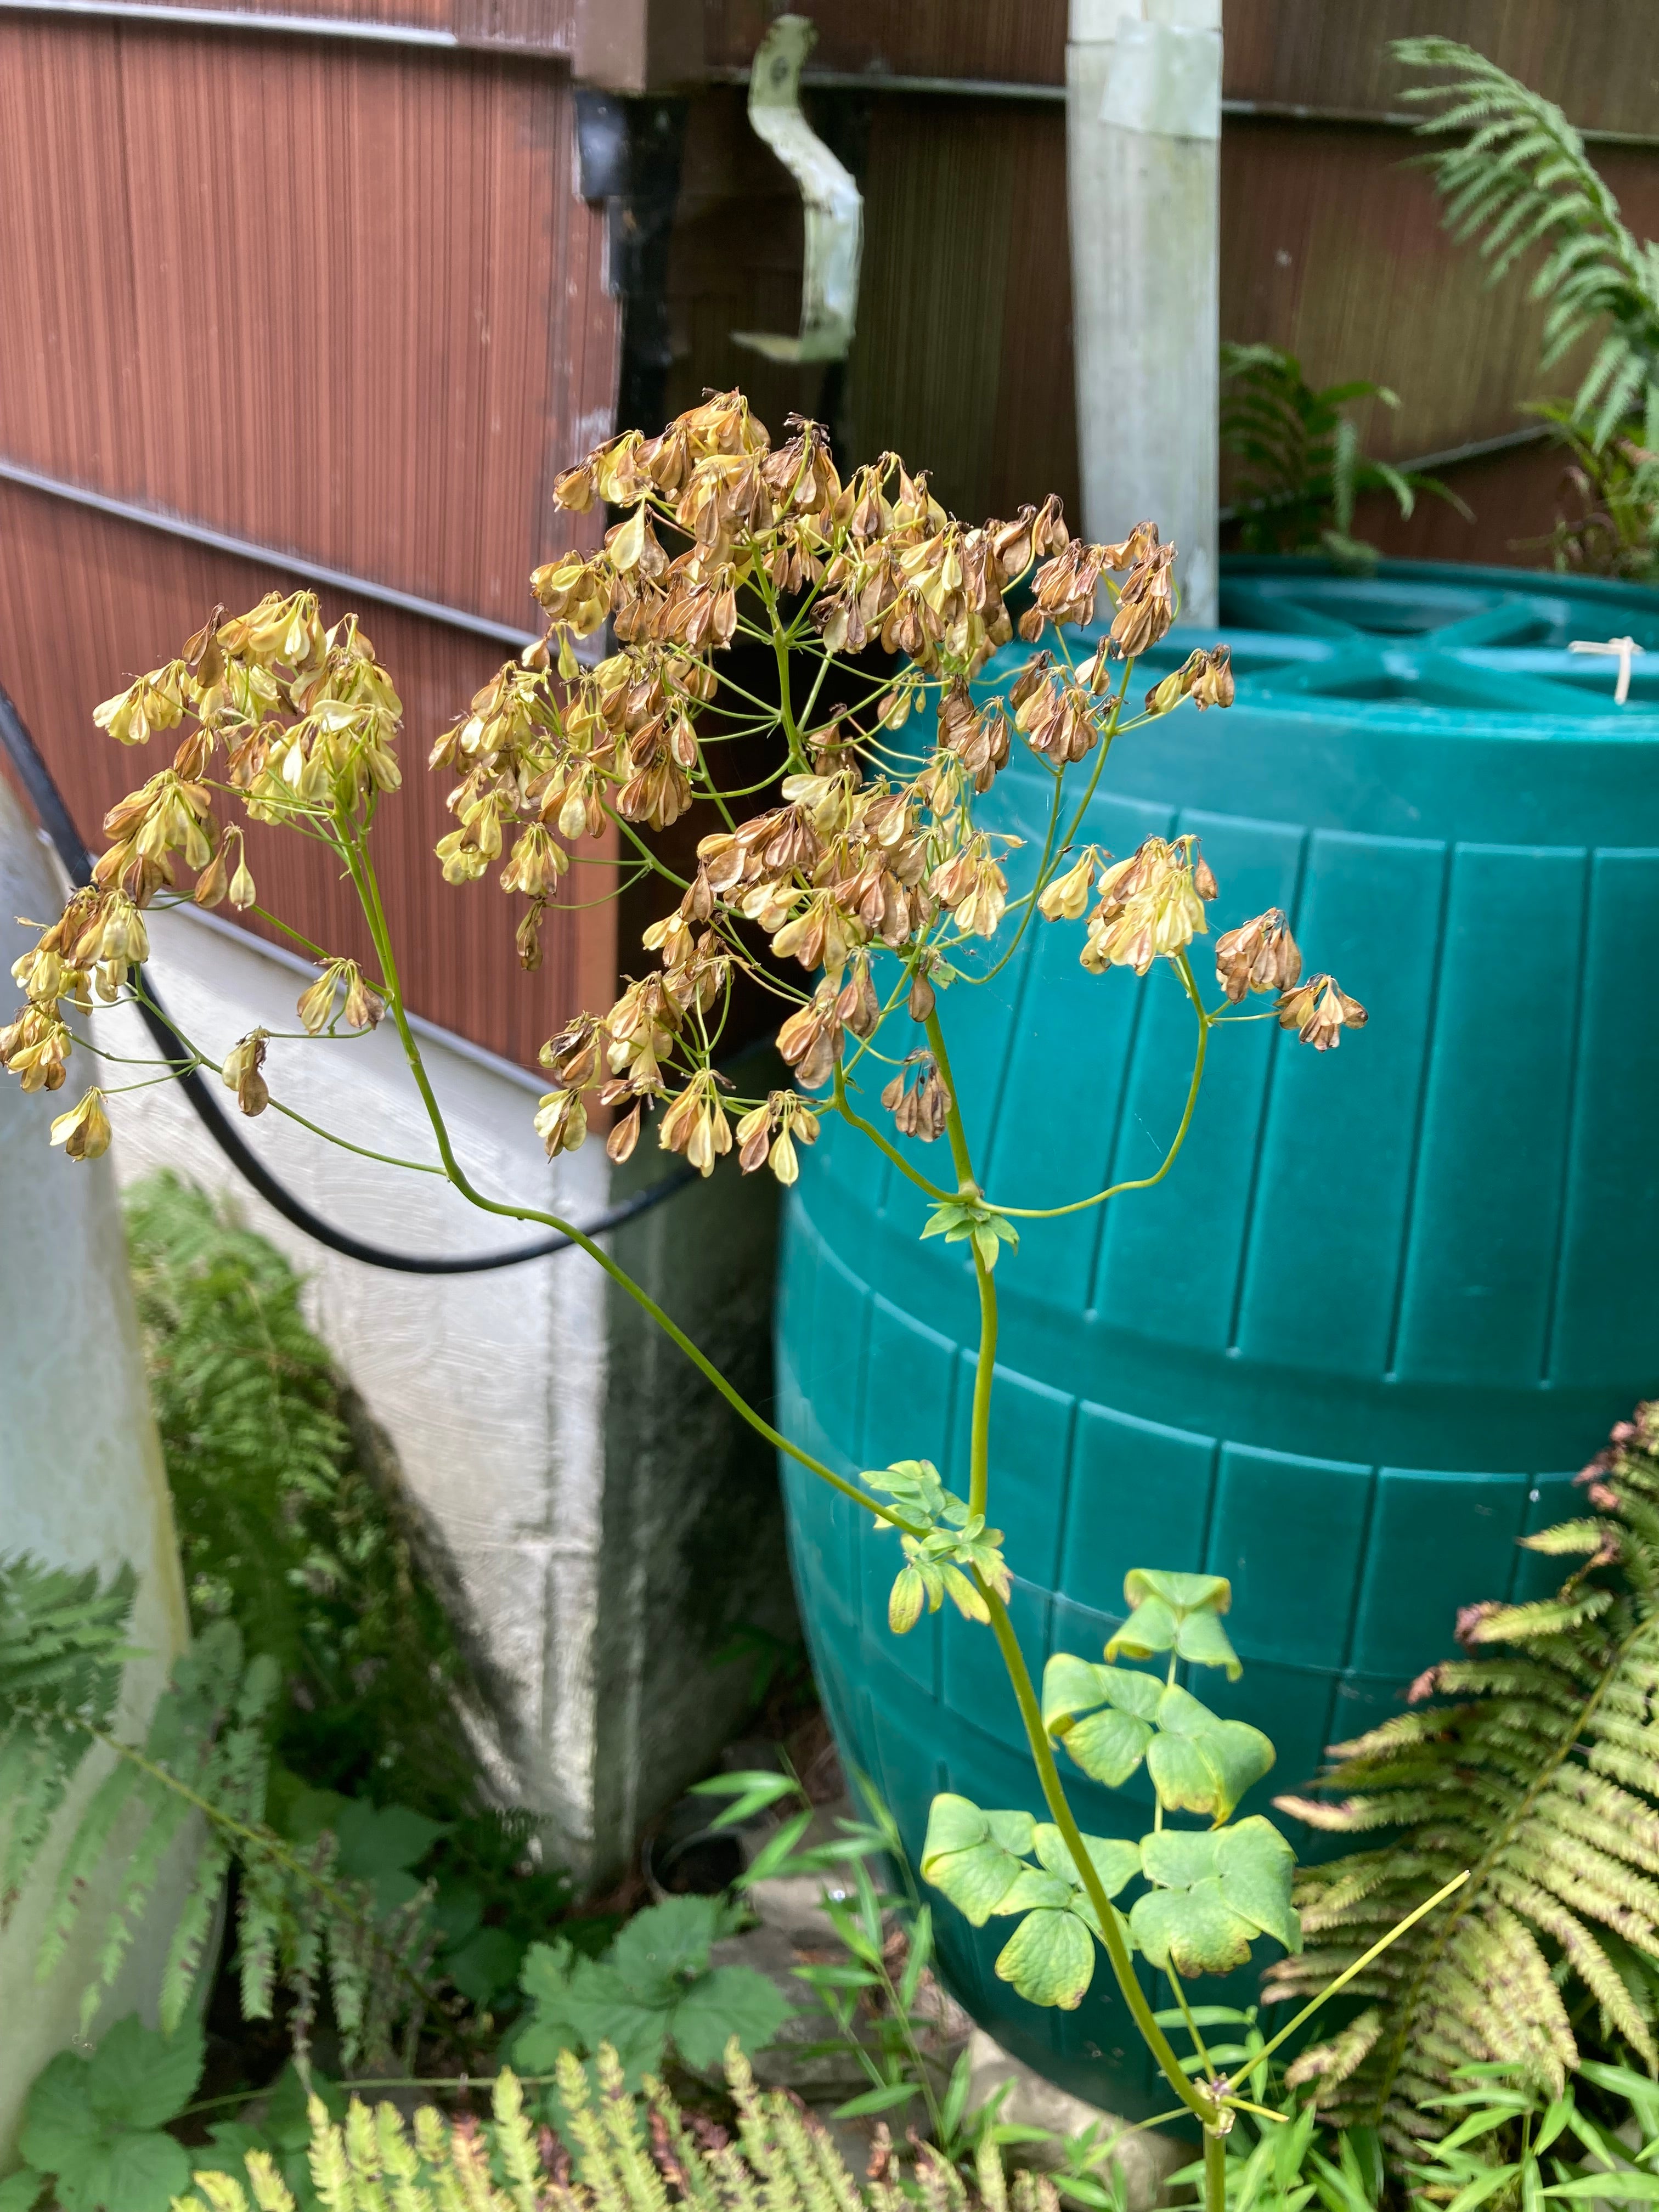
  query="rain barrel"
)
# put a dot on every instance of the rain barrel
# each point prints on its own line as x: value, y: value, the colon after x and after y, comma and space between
x: 1389, y: 1298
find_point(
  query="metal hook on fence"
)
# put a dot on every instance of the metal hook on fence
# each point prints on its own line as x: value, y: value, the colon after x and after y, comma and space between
x: 835, y: 209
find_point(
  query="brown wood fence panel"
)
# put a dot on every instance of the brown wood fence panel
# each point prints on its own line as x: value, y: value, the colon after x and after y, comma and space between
x: 1021, y: 41
x: 542, y: 26
x: 1332, y: 245
x: 341, y: 301
x: 88, y: 601
x: 1598, y: 59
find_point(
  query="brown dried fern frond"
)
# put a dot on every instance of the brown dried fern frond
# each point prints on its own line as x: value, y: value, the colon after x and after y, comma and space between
x: 1543, y: 1782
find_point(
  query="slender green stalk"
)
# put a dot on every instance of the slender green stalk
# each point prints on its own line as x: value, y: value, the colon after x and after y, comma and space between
x: 979, y: 1461
x: 1206, y: 1022
x: 870, y: 1130
x: 362, y: 874
x: 385, y: 1159
x: 1054, y: 1795
x: 1013, y: 1658
x: 1215, y: 2169
x: 1348, y: 1972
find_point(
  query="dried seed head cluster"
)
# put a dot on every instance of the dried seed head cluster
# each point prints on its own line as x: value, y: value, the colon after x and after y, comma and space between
x: 854, y: 883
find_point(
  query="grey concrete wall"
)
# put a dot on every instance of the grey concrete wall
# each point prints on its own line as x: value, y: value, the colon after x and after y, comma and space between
x: 605, y: 1521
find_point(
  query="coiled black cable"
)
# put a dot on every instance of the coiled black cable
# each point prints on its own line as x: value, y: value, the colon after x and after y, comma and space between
x: 59, y: 824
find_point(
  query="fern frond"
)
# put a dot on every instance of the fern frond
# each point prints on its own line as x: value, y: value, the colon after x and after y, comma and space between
x: 1544, y: 1783
x: 1521, y: 179
x: 204, y: 1759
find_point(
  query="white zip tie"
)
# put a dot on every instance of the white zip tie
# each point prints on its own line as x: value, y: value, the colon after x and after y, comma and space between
x: 1624, y: 646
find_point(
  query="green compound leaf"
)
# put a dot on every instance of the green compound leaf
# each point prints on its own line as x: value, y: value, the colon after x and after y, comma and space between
x: 979, y: 1860
x: 971, y: 1861
x: 725, y: 2002
x: 1049, y: 1959
x: 1108, y: 1744
x: 1215, y: 1893
x: 1178, y: 1612
x: 945, y: 1546
x: 1200, y: 1763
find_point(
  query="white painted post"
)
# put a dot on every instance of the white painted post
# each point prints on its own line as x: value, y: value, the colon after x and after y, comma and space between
x: 1143, y: 141
x: 81, y: 1485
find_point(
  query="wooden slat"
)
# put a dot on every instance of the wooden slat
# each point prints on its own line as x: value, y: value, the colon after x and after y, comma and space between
x: 1332, y: 245
x: 343, y: 301
x: 1598, y: 59
x: 1021, y: 40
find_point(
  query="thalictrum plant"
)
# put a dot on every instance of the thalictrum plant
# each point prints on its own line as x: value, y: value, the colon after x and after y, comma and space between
x: 853, y: 879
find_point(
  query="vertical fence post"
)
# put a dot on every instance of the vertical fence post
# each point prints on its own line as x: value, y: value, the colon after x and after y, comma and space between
x: 1143, y: 143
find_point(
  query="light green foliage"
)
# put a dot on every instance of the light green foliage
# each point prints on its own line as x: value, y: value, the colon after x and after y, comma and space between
x: 1177, y: 1612
x: 979, y: 1861
x: 1110, y: 1718
x: 279, y: 2136
x: 1507, y: 2143
x: 1214, y: 1893
x: 93, y: 2128
x: 943, y: 1562
x: 970, y: 1220
x: 1544, y: 1780
x: 301, y: 1919
x: 1279, y: 2156
x: 62, y: 1649
x: 652, y: 1992
x: 626, y: 2153
x: 283, y: 1525
x: 290, y: 1530
x: 875, y: 2001
x: 1516, y: 176
x: 1208, y: 1895
x: 1616, y: 532
x: 1298, y: 466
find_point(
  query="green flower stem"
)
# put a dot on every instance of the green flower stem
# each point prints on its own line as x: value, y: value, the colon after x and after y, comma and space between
x: 1013, y: 1658
x: 979, y: 1459
x: 869, y: 1130
x: 385, y: 1159
x: 1206, y: 1022
x: 1064, y: 1819
x: 1358, y: 1966
x: 781, y: 654
x: 362, y: 874
x: 1215, y: 2170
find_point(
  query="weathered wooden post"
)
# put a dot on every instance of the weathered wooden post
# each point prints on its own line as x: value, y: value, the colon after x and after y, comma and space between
x: 1143, y: 141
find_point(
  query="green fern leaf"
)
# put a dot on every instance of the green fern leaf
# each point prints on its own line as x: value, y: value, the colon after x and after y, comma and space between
x: 1544, y: 1783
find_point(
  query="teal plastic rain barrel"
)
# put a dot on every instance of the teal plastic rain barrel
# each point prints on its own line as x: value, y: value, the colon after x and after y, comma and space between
x: 1389, y: 1299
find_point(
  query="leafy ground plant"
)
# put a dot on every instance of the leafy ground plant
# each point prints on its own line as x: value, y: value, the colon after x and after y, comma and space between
x: 653, y: 1994
x: 95, y: 2128
x: 844, y: 874
x: 304, y: 1924
x: 1298, y: 465
x: 624, y: 2153
x: 99, y: 2129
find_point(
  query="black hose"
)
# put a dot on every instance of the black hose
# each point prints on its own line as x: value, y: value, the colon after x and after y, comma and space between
x: 58, y: 823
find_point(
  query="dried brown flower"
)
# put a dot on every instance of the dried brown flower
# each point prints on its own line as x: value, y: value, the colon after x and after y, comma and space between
x: 1260, y: 955
x: 1318, y: 1011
